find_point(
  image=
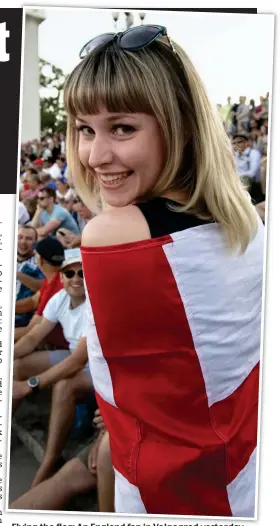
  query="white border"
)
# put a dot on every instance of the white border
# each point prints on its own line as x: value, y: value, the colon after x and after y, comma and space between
x: 165, y: 5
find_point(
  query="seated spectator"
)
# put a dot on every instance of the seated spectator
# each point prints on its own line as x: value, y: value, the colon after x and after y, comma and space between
x: 47, y: 164
x: 47, y: 152
x: 253, y: 125
x: 31, y: 206
x: 68, y: 370
x: 58, y: 168
x: 66, y: 237
x: 243, y: 115
x: 226, y: 115
x: 23, y: 215
x: 255, y: 137
x: 62, y: 165
x: 260, y: 207
x: 248, y: 160
x: 49, y: 258
x: 38, y: 163
x: 62, y: 144
x: 63, y: 189
x: 84, y: 214
x: 56, y: 149
x: 50, y: 216
x: 54, y: 171
x: 46, y: 179
x: 261, y: 112
x: 68, y: 205
x: 34, y: 184
x: 252, y: 108
x: 29, y: 276
x: 90, y: 468
x: 263, y: 139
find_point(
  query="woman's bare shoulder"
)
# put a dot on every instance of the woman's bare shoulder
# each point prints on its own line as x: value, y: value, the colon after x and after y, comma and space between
x: 116, y: 226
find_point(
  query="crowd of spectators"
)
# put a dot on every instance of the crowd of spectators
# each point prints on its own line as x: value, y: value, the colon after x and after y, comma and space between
x: 247, y: 125
x: 50, y: 317
x: 50, y: 328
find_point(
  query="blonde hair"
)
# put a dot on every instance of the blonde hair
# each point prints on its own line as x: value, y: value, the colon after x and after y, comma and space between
x: 199, y: 159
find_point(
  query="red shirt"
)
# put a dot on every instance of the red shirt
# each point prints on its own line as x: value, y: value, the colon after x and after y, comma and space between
x: 48, y: 290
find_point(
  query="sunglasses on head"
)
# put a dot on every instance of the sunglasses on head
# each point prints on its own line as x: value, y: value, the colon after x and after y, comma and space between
x: 133, y: 39
x: 71, y: 273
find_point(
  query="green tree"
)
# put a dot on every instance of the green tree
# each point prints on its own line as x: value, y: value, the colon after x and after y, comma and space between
x: 53, y: 117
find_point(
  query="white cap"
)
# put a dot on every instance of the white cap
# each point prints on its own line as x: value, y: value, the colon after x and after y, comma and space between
x: 72, y: 255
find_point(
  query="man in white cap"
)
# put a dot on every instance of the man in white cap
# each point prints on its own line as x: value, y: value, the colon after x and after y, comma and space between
x: 67, y: 371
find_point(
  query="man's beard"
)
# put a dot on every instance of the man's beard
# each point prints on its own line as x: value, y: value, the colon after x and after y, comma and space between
x: 22, y: 257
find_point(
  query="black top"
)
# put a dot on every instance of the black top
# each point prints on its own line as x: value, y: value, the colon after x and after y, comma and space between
x: 163, y: 221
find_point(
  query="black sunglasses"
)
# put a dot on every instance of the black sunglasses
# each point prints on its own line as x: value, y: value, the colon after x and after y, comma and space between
x: 239, y: 141
x: 42, y: 198
x: 133, y: 39
x: 71, y: 273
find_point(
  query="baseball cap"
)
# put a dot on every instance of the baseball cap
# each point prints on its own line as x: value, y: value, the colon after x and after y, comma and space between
x: 51, y: 250
x: 51, y: 184
x: 38, y: 162
x: 63, y: 179
x: 72, y: 255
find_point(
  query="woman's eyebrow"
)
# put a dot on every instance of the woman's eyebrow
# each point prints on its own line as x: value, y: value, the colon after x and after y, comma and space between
x: 110, y: 118
x: 120, y: 115
x: 80, y: 119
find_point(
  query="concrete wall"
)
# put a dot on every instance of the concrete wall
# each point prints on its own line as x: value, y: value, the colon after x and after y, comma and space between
x: 30, y: 93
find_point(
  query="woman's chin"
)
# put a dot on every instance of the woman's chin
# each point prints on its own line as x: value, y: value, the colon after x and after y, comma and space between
x: 117, y: 201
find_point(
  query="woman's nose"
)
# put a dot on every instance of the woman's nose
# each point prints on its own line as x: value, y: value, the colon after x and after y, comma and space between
x: 100, y: 153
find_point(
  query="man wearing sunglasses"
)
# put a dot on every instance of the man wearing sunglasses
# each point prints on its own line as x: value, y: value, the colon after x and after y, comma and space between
x: 49, y: 216
x: 68, y: 370
x: 247, y: 160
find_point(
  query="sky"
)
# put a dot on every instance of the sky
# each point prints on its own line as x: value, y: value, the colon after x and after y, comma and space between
x: 232, y: 52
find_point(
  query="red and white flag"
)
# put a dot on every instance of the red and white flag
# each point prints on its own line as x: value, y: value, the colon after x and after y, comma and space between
x: 174, y: 350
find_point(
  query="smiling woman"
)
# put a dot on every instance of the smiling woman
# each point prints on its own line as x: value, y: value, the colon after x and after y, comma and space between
x: 118, y: 148
x: 173, y: 272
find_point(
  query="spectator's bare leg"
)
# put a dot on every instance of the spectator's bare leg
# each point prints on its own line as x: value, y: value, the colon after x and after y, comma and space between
x: 31, y: 365
x: 65, y: 395
x: 53, y: 494
x: 105, y: 477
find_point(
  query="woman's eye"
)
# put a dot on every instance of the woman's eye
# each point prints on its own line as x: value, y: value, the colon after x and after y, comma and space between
x: 85, y: 130
x: 123, y: 129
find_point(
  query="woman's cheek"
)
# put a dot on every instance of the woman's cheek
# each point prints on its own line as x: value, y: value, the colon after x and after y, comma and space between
x: 84, y: 152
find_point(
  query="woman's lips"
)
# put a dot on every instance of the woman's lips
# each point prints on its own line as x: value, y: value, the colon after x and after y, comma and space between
x: 113, y: 180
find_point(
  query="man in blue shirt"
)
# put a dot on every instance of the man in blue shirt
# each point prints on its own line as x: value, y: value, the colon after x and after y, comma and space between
x: 29, y: 276
x: 49, y: 216
x: 247, y: 160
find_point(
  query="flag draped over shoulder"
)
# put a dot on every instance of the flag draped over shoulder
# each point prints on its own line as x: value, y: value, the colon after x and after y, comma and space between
x: 174, y: 350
